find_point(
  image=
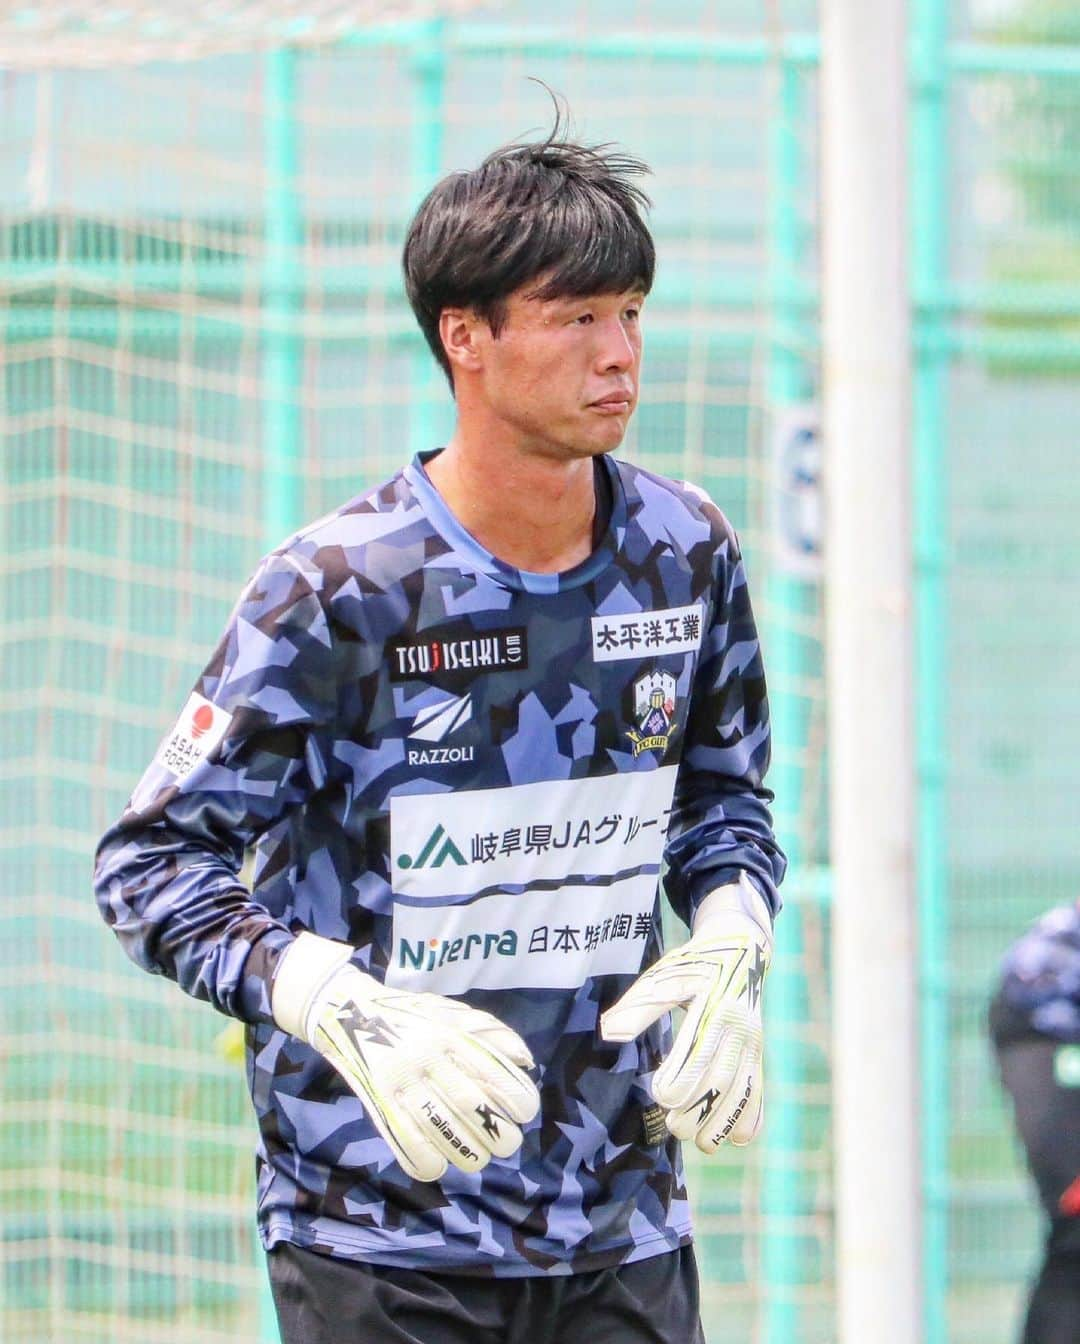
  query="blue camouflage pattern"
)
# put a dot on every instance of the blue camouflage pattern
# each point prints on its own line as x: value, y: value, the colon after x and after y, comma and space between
x: 382, y: 670
x: 1040, y: 975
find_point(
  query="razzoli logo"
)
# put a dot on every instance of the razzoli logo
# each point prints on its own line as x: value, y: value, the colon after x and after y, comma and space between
x: 428, y: 954
x: 434, y: 724
x: 438, y: 849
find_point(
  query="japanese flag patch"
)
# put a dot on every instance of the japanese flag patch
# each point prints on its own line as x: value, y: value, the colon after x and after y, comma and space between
x: 199, y: 729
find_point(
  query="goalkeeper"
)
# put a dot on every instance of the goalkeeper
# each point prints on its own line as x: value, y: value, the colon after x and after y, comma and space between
x: 464, y: 720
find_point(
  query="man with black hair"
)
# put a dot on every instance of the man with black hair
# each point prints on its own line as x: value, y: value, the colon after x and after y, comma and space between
x: 464, y: 720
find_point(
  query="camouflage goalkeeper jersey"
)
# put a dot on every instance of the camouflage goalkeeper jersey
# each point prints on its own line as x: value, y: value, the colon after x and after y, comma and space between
x: 473, y: 775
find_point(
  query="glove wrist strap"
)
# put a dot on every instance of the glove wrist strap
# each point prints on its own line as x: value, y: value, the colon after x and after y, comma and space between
x: 740, y: 898
x: 302, y: 974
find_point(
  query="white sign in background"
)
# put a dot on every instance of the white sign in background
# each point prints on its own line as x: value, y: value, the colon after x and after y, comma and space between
x: 797, y: 502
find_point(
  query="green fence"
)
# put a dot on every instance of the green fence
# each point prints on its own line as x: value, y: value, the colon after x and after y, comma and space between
x: 205, y: 342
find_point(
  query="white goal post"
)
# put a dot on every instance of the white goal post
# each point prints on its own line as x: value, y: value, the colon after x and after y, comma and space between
x: 869, y: 670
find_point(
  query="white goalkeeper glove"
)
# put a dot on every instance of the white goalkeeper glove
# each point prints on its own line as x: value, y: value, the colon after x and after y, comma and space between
x: 440, y: 1081
x: 711, y: 1083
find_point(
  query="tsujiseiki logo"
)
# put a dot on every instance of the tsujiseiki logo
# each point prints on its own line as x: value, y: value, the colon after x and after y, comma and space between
x: 438, y: 849
x: 435, y: 723
x: 428, y: 954
x: 654, y: 710
x: 457, y: 659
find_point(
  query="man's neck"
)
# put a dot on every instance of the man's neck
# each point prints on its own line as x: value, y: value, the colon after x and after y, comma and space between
x: 535, y: 513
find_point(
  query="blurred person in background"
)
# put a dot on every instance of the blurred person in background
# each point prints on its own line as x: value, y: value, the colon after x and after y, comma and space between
x: 1035, y: 1029
x: 464, y: 719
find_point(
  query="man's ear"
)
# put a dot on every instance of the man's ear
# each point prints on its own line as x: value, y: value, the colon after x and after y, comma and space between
x: 459, y: 331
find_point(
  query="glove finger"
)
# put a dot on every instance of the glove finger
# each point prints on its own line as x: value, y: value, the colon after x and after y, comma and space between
x: 684, y: 1122
x: 747, y: 1126
x: 707, y: 1045
x: 655, y: 992
x: 442, y: 1129
x: 737, y: 1110
x: 701, y: 1109
x: 485, y: 1027
x: 416, y: 1154
x: 485, y: 1124
x: 381, y: 1094
x: 502, y: 1082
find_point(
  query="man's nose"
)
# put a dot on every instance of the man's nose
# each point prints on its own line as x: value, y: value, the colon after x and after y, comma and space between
x: 616, y: 348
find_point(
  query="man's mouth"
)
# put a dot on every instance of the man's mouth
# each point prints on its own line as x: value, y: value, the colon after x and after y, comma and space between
x: 614, y: 401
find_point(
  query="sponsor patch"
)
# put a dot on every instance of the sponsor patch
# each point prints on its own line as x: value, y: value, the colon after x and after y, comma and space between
x: 538, y: 885
x: 447, y: 846
x: 439, y: 755
x: 434, y: 724
x: 456, y: 659
x: 646, y: 634
x: 541, y: 939
x: 199, y: 729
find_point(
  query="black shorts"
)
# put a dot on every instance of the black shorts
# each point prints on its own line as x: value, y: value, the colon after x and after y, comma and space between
x: 322, y: 1300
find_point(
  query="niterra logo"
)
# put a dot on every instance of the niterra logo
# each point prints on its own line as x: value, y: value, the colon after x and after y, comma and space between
x: 457, y: 659
x: 438, y: 849
x: 429, y: 954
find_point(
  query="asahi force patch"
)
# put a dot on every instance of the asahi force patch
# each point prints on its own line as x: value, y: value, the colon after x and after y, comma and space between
x: 198, y: 730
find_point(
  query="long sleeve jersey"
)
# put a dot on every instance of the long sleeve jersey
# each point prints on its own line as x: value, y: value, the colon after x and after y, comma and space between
x: 475, y: 776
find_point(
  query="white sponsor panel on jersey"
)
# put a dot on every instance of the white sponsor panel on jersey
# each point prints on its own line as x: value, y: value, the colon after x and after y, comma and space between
x: 525, y: 885
x: 199, y: 729
x: 647, y: 634
x: 534, y: 939
x: 456, y: 844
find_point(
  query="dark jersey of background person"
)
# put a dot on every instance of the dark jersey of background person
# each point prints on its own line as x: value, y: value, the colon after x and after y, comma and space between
x: 1039, y: 984
x: 473, y: 775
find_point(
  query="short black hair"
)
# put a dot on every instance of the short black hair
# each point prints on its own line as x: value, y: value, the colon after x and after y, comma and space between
x: 567, y: 212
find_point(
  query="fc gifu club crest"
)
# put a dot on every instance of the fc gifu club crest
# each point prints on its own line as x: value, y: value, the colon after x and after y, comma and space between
x: 654, y: 710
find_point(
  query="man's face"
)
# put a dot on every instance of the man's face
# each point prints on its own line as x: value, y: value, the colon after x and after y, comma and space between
x: 563, y: 373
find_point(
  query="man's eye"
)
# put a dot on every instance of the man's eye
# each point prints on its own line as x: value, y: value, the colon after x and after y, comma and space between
x: 584, y: 319
x: 633, y: 314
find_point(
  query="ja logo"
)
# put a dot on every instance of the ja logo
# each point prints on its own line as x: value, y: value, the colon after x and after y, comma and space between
x: 438, y: 849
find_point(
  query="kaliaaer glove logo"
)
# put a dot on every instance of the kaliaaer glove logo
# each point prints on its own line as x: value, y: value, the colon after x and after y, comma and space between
x: 654, y: 710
